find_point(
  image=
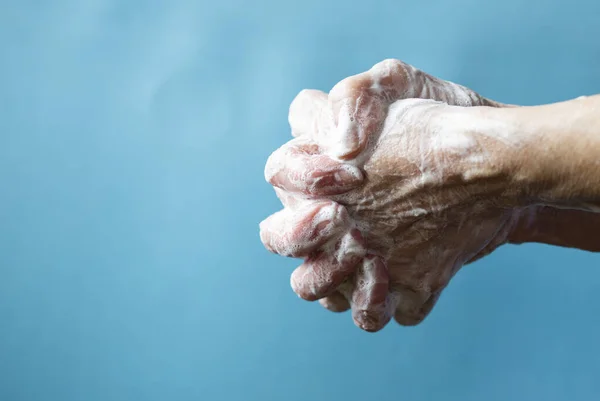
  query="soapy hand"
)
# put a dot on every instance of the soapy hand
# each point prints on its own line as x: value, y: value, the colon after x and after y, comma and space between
x: 385, y: 199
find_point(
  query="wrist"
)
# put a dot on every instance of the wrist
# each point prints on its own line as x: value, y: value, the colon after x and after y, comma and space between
x: 504, y: 146
x: 553, y: 156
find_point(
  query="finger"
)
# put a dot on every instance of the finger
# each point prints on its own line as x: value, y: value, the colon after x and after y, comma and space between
x: 358, y: 120
x: 394, y: 80
x: 299, y: 167
x: 412, y: 317
x: 358, y: 103
x: 499, y: 238
x: 335, y: 302
x: 322, y: 273
x: 299, y: 232
x: 410, y: 300
x: 306, y: 115
x: 415, y: 303
x: 370, y: 303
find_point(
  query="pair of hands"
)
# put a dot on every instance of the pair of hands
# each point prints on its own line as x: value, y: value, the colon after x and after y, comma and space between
x: 392, y: 183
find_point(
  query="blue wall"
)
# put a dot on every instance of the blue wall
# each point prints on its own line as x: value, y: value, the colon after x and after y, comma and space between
x: 133, y: 136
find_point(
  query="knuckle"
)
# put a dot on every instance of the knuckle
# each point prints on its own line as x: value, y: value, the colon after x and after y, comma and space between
x: 387, y: 64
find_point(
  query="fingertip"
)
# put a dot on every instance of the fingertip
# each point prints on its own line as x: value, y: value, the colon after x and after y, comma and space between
x: 407, y: 320
x: 321, y: 274
x: 413, y: 317
x: 335, y: 302
x: 299, y: 168
x: 273, y: 165
x: 305, y: 110
x: 301, y: 231
x: 368, y: 321
x: 265, y: 231
x: 303, y: 284
x: 371, y: 302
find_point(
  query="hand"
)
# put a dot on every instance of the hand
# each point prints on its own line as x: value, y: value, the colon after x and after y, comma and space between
x: 327, y: 268
x: 321, y: 230
x: 357, y: 104
x: 312, y: 114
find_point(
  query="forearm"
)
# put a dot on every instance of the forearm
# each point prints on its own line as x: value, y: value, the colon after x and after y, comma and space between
x: 560, y: 227
x: 556, y: 156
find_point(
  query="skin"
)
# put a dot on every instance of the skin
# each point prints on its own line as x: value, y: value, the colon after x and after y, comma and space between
x: 562, y: 169
x: 385, y: 199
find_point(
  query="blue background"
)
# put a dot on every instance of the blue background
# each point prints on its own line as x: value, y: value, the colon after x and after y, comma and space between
x: 133, y: 136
